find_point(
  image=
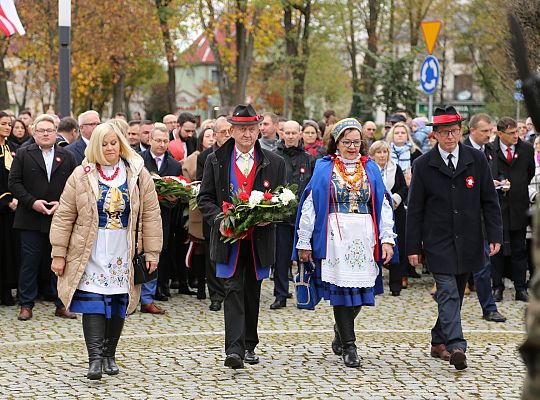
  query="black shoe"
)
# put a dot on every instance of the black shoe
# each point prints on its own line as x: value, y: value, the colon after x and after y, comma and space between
x: 522, y: 295
x: 350, y: 356
x: 186, y: 290
x: 336, y: 343
x: 234, y: 361
x: 215, y: 305
x: 201, y: 294
x: 160, y: 296
x: 498, y: 295
x: 175, y: 285
x: 250, y: 357
x: 166, y: 291
x: 395, y: 293
x: 278, y: 304
x: 289, y: 295
x: 494, y: 316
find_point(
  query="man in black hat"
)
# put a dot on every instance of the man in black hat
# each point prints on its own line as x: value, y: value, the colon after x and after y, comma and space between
x: 240, y: 165
x: 451, y: 190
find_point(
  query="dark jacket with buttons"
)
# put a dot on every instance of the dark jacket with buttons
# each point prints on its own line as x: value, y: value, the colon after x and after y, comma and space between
x: 215, y: 189
x: 299, y: 166
x: 514, y: 202
x: 28, y: 183
x: 444, y: 211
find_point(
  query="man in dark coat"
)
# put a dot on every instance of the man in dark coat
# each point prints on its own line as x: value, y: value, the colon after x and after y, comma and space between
x: 299, y: 167
x: 37, y: 178
x: 480, y: 127
x: 88, y: 121
x: 451, y: 188
x: 240, y: 165
x: 157, y: 160
x: 216, y: 291
x: 512, y: 168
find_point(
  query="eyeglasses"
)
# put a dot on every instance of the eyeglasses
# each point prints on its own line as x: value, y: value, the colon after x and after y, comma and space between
x: 161, y: 141
x: 348, y: 143
x: 453, y: 132
x: 94, y: 124
x: 50, y: 130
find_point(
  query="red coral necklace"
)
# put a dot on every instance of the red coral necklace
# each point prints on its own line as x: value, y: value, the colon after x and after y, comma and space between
x: 108, y: 178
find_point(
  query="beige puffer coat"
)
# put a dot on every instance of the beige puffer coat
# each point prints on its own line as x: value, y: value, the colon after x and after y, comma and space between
x: 75, y: 225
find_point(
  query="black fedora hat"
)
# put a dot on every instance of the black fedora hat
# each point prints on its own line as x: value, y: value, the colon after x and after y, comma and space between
x: 445, y: 116
x: 244, y: 114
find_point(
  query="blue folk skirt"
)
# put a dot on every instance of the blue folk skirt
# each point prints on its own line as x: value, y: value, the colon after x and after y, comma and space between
x: 96, y: 303
x: 343, y: 296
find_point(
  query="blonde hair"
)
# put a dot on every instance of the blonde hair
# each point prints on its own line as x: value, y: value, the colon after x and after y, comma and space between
x: 121, y: 125
x: 390, y: 135
x: 41, y: 118
x: 94, y: 150
x: 377, y: 146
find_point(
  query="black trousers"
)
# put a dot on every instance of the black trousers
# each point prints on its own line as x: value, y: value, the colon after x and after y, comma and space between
x: 284, y: 244
x: 35, y: 256
x: 164, y: 268
x: 216, y: 289
x: 241, y: 304
x: 517, y: 257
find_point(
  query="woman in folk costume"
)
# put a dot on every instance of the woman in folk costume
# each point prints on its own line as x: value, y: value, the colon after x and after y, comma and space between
x: 345, y: 225
x: 93, y: 241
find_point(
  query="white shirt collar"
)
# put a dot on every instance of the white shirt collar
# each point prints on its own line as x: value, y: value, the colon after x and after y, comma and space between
x: 504, y: 147
x: 444, y: 154
x: 476, y: 145
x: 86, y: 141
x: 239, y: 153
x: 154, y: 156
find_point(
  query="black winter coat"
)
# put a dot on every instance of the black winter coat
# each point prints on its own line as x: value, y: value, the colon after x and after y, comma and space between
x: 169, y: 167
x: 444, y: 211
x: 299, y: 166
x: 515, y: 202
x: 215, y: 189
x: 28, y: 183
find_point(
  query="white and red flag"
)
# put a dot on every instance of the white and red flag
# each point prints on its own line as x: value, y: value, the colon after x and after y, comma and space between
x: 10, y: 23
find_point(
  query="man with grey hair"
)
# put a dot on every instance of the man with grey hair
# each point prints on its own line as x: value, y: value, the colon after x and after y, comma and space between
x: 299, y: 166
x: 88, y: 121
x: 269, y: 127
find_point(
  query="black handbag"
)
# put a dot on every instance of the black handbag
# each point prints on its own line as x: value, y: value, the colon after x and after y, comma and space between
x: 140, y: 272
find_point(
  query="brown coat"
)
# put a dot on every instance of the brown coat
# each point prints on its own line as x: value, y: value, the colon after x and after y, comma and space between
x: 189, y: 170
x: 75, y: 225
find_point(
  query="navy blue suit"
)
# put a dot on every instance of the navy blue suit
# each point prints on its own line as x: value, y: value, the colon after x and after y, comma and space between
x: 77, y: 148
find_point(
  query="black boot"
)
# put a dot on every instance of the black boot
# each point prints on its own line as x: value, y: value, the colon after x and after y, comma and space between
x: 112, y: 335
x: 94, y: 334
x: 344, y: 317
x: 336, y: 343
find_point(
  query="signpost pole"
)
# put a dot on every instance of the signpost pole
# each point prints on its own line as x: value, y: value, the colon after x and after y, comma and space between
x: 64, y: 36
x: 430, y: 107
x: 517, y: 109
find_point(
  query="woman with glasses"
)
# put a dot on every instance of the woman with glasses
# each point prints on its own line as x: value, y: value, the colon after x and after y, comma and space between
x: 345, y: 226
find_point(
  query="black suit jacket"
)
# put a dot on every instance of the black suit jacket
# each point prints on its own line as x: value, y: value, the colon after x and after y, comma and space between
x: 28, y: 183
x: 215, y: 189
x: 444, y: 211
x: 169, y: 167
x: 77, y: 148
x: 515, y: 202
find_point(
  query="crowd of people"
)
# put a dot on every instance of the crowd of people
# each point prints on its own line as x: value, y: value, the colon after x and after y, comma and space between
x: 77, y: 201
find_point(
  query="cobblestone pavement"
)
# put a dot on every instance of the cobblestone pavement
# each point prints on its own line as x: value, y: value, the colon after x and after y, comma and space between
x: 180, y: 355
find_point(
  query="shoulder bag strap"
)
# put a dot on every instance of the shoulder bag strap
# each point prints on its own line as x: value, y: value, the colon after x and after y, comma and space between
x: 138, y: 218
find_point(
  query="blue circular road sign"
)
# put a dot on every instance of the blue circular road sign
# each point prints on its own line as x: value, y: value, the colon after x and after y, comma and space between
x: 429, y: 74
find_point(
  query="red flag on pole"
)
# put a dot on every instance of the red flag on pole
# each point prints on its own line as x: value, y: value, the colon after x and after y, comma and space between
x: 10, y: 23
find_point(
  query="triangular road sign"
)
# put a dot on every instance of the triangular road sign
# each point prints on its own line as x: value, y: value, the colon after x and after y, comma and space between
x: 431, y: 29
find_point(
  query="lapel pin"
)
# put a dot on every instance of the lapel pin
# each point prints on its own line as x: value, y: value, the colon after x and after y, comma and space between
x: 266, y: 184
x: 58, y: 159
x: 469, y: 181
x: 87, y: 169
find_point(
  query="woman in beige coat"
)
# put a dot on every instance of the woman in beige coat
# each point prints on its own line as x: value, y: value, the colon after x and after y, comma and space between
x: 92, y: 237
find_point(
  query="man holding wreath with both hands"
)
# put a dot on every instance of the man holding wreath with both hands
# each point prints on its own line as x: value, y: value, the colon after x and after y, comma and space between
x: 238, y: 165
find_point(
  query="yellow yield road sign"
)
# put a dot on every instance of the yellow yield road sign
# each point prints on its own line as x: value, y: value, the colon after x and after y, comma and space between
x: 431, y: 30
